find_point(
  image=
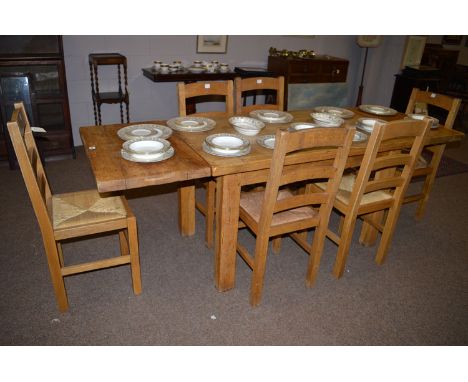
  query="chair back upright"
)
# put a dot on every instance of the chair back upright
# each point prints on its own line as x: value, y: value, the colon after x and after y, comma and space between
x: 204, y: 91
x: 31, y: 167
x: 381, y: 171
x: 251, y: 84
x: 288, y: 143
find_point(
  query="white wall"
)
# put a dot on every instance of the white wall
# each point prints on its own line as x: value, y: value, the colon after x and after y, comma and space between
x: 149, y: 100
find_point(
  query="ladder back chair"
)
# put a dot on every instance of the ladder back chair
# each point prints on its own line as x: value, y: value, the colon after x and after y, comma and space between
x: 245, y: 85
x: 379, y: 186
x: 207, y: 90
x: 72, y: 215
x: 276, y: 210
x: 424, y: 168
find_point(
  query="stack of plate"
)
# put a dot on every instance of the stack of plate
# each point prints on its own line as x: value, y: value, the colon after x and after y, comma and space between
x: 435, y: 121
x: 144, y: 130
x: 338, y: 111
x: 377, y: 110
x: 226, y: 145
x: 246, y: 125
x: 267, y: 141
x: 271, y: 116
x: 327, y: 119
x: 191, y: 124
x: 296, y: 126
x: 147, y: 150
x: 367, y: 124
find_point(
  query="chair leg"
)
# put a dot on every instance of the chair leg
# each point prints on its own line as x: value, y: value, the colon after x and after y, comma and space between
x: 315, y: 254
x: 345, y: 242
x: 134, y: 256
x: 276, y: 245
x: 53, y: 260
x: 258, y: 274
x: 387, y: 234
x: 210, y: 213
x: 124, y: 250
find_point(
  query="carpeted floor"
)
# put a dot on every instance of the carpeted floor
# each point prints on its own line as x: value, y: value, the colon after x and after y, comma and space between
x: 418, y: 297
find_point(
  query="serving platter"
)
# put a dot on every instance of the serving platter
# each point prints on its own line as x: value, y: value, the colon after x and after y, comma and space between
x: 338, y: 111
x: 377, y: 110
x: 271, y: 116
x: 191, y: 124
x: 144, y: 130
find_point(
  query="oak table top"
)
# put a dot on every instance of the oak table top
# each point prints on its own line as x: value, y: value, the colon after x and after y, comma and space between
x: 113, y: 173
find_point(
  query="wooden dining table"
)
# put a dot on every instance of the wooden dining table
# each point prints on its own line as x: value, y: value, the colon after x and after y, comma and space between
x: 190, y: 162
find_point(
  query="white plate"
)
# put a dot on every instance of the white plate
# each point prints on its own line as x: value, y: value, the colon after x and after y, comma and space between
x: 143, y: 130
x: 367, y: 124
x: 338, y: 111
x: 271, y: 116
x: 296, y: 126
x: 327, y: 119
x: 147, y: 159
x: 196, y: 69
x: 227, y: 143
x: 377, y: 110
x: 191, y: 124
x: 420, y: 117
x: 267, y: 141
x: 359, y: 137
x: 146, y: 146
x: 208, y: 149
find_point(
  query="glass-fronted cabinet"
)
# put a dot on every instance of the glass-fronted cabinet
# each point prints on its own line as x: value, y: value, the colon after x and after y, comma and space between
x: 40, y: 60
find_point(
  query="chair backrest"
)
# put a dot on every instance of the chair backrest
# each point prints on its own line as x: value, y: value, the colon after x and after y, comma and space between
x: 389, y: 170
x: 442, y: 101
x: 287, y: 143
x: 243, y: 85
x: 31, y: 166
x: 204, y: 91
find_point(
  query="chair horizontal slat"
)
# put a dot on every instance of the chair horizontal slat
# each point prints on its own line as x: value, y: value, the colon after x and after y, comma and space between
x: 322, y: 137
x: 300, y: 201
x: 391, y: 161
x: 306, y: 171
x: 382, y: 184
x: 94, y: 265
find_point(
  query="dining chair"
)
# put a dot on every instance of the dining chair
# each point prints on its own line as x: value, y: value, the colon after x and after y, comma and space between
x: 204, y: 91
x: 426, y: 169
x: 277, y: 211
x: 378, y: 187
x: 245, y: 86
x: 74, y: 215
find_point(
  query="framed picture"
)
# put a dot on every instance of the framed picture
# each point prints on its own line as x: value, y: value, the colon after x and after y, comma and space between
x: 451, y: 40
x: 413, y: 51
x: 212, y: 44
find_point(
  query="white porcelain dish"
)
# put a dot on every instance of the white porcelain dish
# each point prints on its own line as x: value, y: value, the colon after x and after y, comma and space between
x: 196, y: 69
x: 271, y: 116
x: 296, y: 126
x: 327, y: 119
x: 267, y: 141
x: 147, y: 158
x: 246, y: 125
x: 144, y: 130
x: 420, y: 117
x: 360, y: 137
x: 220, y: 153
x: 146, y: 146
x: 191, y: 124
x: 367, y: 124
x: 338, y: 111
x: 377, y: 110
x: 227, y: 143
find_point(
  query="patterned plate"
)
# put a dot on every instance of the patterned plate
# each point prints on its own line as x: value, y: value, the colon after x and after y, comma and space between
x: 208, y: 149
x: 338, y: 111
x: 144, y: 130
x: 147, y: 159
x: 191, y: 124
x: 267, y: 141
x: 271, y: 116
x: 377, y: 110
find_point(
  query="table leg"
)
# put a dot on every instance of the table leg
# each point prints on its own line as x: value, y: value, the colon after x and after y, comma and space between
x: 187, y: 210
x: 369, y: 234
x: 227, y: 220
